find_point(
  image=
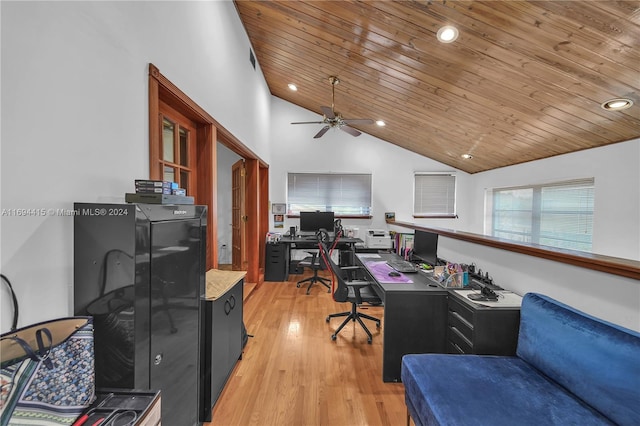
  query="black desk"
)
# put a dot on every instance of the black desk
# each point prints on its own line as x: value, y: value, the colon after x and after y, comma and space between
x: 345, y: 244
x: 415, y: 315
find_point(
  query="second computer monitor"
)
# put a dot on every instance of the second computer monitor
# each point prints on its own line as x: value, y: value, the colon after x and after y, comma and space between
x: 425, y: 247
x: 314, y: 221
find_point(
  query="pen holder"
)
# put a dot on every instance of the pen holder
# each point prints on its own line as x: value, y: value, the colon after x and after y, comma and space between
x: 457, y: 280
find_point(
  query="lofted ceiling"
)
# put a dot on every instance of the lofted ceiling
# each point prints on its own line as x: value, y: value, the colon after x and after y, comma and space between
x: 524, y: 80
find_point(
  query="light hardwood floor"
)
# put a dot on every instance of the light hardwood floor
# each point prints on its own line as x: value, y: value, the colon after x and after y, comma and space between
x: 292, y: 373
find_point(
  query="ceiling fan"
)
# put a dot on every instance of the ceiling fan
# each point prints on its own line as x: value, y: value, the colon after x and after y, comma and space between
x: 332, y: 119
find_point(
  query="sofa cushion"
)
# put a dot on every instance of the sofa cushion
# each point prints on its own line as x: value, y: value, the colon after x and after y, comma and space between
x: 487, y: 390
x: 597, y: 361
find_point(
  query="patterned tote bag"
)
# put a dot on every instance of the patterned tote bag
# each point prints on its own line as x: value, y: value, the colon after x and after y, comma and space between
x: 47, y: 372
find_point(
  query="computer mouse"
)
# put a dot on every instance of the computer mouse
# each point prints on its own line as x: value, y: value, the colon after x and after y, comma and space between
x: 394, y: 274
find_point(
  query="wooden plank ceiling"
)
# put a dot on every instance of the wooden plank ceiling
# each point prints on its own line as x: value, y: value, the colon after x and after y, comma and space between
x: 523, y: 81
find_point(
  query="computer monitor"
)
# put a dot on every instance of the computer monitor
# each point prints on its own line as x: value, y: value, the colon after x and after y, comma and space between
x: 425, y: 247
x: 314, y: 221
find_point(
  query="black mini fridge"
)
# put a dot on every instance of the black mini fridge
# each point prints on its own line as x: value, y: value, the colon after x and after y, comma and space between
x: 139, y: 270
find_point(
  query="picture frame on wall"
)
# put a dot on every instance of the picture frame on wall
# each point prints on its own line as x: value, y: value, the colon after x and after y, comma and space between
x: 278, y: 208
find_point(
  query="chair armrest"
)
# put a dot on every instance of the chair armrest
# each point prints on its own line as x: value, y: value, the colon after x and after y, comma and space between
x: 358, y: 284
x: 350, y: 268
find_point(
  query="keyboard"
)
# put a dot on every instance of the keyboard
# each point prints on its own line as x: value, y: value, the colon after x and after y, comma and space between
x: 403, y: 266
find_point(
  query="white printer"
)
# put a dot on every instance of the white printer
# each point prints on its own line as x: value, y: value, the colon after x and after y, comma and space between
x: 377, y: 239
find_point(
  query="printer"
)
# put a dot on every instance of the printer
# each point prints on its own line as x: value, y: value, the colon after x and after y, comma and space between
x: 377, y: 239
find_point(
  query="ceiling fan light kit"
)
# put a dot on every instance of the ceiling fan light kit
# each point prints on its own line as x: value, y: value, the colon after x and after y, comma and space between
x: 332, y: 120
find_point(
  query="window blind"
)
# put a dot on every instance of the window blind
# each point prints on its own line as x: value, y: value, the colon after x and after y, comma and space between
x: 557, y: 214
x: 434, y: 195
x: 344, y: 194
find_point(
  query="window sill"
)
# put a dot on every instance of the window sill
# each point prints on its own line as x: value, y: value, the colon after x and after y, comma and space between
x: 294, y: 216
x: 435, y: 216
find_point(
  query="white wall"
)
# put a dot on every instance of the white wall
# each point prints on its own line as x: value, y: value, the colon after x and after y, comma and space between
x: 75, y: 117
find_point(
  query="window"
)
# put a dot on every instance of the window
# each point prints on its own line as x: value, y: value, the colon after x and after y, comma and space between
x: 434, y: 195
x: 175, y: 163
x: 558, y: 214
x: 344, y: 194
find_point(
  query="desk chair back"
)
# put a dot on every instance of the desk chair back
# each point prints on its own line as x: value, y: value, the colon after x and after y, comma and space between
x: 339, y: 288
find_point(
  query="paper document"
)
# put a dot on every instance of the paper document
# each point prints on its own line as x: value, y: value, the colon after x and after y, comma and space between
x: 506, y: 299
x: 368, y: 256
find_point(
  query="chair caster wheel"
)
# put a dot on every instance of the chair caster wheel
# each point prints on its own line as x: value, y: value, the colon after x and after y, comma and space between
x: 378, y: 325
x: 329, y: 291
x: 328, y: 318
x: 333, y: 337
x: 369, y: 341
x: 298, y: 285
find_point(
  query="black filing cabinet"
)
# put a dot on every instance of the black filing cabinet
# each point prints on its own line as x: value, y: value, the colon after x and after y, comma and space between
x: 475, y: 329
x: 276, y: 266
x: 139, y: 270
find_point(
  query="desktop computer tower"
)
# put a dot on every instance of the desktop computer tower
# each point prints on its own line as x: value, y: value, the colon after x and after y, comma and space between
x: 139, y: 270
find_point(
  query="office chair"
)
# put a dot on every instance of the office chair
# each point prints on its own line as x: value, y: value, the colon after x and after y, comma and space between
x: 349, y: 290
x: 315, y: 263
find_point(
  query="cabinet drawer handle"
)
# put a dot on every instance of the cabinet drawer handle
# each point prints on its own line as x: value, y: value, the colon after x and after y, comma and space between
x: 461, y: 319
x: 227, y: 307
x: 232, y: 301
x: 462, y: 336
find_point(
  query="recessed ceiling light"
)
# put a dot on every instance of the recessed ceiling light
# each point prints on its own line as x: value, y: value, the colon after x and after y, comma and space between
x: 447, y: 34
x: 617, y: 104
x: 381, y: 123
x: 467, y: 156
x: 293, y: 87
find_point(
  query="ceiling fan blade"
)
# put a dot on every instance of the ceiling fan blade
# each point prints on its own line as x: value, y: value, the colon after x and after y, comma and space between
x: 328, y: 112
x: 358, y: 121
x: 309, y: 122
x: 322, y: 132
x: 350, y: 130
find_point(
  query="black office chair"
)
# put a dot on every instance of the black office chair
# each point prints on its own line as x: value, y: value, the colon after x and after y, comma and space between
x: 315, y: 263
x: 348, y: 289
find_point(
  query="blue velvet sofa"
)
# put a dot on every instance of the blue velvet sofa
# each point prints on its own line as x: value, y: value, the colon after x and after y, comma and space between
x: 570, y: 369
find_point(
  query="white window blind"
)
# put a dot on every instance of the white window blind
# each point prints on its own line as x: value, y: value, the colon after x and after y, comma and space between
x: 343, y: 194
x: 434, y: 195
x: 557, y: 214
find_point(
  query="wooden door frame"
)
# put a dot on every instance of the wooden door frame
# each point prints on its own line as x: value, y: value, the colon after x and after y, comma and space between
x: 209, y: 132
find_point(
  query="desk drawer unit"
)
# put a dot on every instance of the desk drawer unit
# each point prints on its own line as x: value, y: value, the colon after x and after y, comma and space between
x: 276, y: 261
x: 473, y: 329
